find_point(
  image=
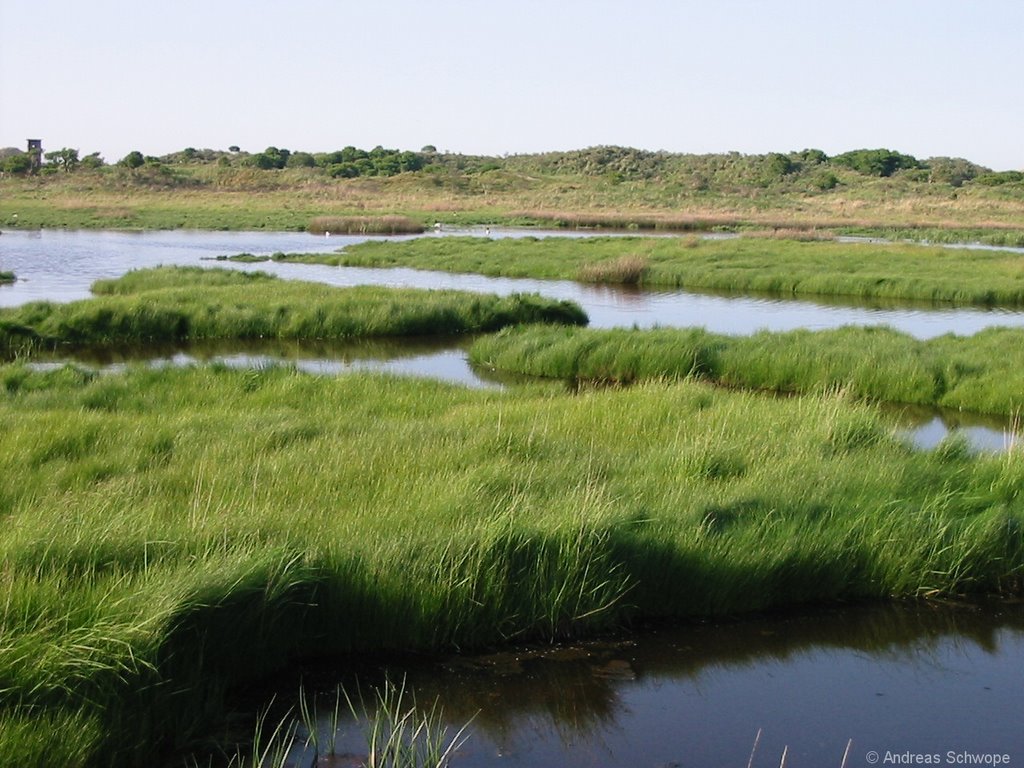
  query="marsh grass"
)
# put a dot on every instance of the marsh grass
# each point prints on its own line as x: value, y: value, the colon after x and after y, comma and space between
x: 172, y: 534
x: 401, y: 734
x: 979, y: 373
x: 812, y: 234
x: 6, y: 277
x: 742, y: 265
x: 182, y: 304
x: 396, y: 732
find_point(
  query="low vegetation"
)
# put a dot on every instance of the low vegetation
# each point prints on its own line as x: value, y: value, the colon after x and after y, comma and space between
x: 171, y: 534
x: 872, y: 190
x: 186, y: 304
x: 739, y: 265
x: 6, y: 277
x: 983, y: 373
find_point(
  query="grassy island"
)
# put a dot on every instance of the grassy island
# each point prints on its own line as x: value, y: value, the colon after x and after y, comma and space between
x: 788, y: 268
x: 186, y: 304
x: 983, y: 373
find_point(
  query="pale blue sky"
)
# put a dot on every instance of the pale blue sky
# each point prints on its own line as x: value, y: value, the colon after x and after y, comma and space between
x: 927, y: 78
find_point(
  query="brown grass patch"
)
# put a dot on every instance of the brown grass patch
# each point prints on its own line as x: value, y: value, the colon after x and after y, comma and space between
x: 625, y: 270
x: 365, y: 225
x: 792, y: 233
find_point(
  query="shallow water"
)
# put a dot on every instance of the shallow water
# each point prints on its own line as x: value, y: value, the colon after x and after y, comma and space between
x: 928, y: 679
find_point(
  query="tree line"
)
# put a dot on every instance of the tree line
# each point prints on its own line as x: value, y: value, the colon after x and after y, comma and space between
x: 615, y: 164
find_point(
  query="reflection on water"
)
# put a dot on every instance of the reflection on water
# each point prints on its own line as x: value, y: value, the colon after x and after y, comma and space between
x: 927, y: 427
x: 923, y: 678
x: 440, y: 358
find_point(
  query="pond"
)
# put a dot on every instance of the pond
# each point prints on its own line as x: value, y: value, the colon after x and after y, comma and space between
x: 890, y: 679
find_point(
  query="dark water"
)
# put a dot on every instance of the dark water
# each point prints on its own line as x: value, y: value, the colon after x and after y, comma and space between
x: 923, y: 679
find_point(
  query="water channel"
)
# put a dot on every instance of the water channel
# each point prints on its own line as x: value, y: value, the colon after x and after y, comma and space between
x: 881, y: 685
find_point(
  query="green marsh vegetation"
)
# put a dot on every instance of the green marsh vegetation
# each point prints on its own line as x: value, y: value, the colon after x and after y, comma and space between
x: 6, y: 277
x: 184, y: 304
x: 983, y: 373
x: 740, y: 265
x: 171, y: 534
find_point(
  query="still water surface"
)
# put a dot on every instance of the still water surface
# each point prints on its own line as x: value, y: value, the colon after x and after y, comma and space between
x: 934, y: 679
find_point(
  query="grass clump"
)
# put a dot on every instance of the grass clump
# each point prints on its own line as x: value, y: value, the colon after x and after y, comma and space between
x: 178, y: 304
x: 979, y: 373
x: 169, y: 535
x: 627, y: 270
x: 6, y: 277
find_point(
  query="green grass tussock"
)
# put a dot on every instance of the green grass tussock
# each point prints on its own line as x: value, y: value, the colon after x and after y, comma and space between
x: 168, y: 535
x: 627, y: 270
x: 6, y: 277
x: 980, y: 373
x: 178, y: 304
x: 742, y: 265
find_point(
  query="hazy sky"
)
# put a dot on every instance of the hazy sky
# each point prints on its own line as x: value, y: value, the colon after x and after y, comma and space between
x: 936, y: 77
